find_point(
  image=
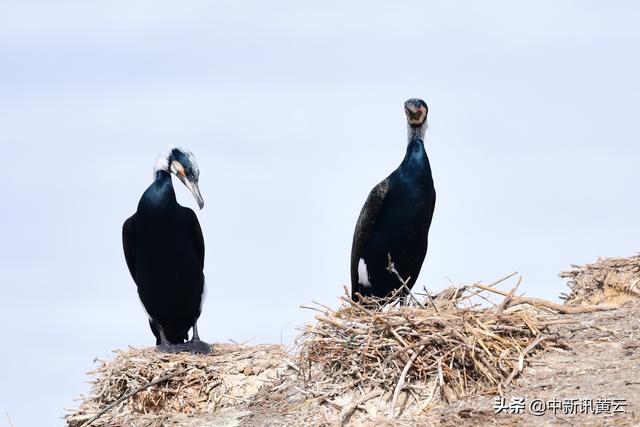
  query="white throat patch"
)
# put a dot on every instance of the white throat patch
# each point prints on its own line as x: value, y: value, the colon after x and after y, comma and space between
x: 419, y: 131
x: 363, y: 274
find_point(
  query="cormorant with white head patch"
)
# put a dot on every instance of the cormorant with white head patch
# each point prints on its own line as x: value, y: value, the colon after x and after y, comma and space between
x: 164, y: 250
x: 394, y: 221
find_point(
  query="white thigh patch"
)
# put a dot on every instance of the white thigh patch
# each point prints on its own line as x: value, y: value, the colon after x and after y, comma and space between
x: 204, y: 294
x: 363, y: 275
x: 144, y: 308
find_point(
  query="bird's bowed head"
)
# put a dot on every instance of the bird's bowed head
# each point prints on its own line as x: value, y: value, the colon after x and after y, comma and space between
x: 182, y: 163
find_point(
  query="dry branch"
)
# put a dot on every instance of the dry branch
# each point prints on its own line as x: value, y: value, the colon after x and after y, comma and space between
x: 401, y: 382
x: 348, y: 410
x: 537, y: 302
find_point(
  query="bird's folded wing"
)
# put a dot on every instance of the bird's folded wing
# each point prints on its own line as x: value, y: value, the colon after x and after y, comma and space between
x: 366, y: 223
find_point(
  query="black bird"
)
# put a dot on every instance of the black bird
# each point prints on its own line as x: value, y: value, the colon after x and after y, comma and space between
x: 164, y: 249
x: 394, y: 221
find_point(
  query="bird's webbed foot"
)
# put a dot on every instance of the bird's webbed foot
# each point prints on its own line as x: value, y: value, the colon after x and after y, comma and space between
x: 197, y: 346
x: 171, y: 348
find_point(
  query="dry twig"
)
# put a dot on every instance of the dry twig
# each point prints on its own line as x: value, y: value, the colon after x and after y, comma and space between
x: 348, y: 410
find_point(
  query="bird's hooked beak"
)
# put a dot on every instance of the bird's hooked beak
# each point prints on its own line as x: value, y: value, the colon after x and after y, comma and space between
x: 193, y: 187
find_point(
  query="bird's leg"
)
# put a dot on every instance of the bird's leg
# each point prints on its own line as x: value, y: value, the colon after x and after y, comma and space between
x: 196, y: 345
x: 195, y: 336
x: 165, y: 346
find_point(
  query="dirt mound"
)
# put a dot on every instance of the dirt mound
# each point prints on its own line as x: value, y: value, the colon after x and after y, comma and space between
x: 441, y: 360
x: 608, y: 280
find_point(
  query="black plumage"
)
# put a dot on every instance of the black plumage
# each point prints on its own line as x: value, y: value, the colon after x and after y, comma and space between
x: 395, y: 219
x: 164, y: 250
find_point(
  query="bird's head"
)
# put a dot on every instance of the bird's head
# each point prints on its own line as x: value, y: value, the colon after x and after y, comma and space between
x: 182, y: 163
x: 416, y: 110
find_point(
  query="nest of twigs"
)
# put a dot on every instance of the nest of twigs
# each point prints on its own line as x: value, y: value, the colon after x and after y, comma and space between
x: 608, y: 280
x: 404, y: 358
x: 148, y: 387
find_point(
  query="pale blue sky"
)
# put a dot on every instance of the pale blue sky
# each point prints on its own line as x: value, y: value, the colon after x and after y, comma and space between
x: 294, y: 112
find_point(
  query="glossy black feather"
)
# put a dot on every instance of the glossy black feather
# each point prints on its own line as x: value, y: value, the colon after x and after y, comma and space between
x: 164, y: 250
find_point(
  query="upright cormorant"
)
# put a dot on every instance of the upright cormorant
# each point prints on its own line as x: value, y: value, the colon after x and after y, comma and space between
x: 164, y: 249
x: 394, y: 221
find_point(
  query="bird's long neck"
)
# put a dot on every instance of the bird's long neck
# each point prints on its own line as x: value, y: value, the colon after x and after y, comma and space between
x: 415, y: 157
x: 415, y: 151
x: 414, y: 131
x: 163, y: 185
x: 160, y: 193
x: 415, y: 163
